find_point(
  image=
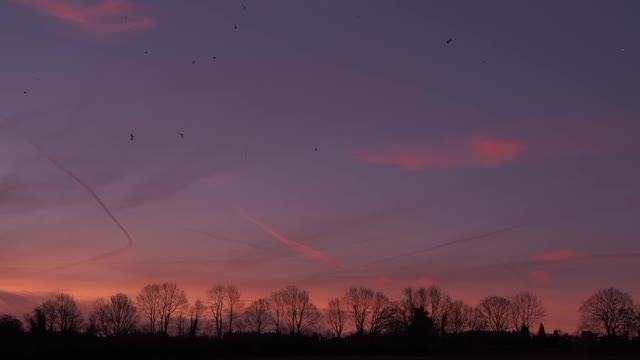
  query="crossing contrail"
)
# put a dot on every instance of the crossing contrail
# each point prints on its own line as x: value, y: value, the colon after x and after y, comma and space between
x: 290, y: 243
x: 102, y: 205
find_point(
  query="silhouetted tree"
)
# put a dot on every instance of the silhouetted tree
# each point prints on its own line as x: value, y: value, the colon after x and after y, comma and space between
x: 439, y: 305
x: 115, y: 317
x: 526, y: 310
x: 215, y: 302
x: 172, y: 300
x: 148, y: 302
x: 233, y: 307
x: 541, y: 332
x: 478, y: 320
x: 60, y: 314
x: 278, y: 310
x: 496, y: 311
x: 336, y: 316
x: 411, y: 299
x: 460, y: 317
x: 359, y: 302
x: 10, y: 325
x: 300, y: 314
x: 258, y: 315
x: 39, y: 321
x: 421, y: 324
x: 225, y: 304
x: 380, y: 312
x: 195, y: 312
x: 609, y: 312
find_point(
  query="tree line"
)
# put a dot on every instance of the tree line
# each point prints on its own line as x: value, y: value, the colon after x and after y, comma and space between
x: 164, y: 309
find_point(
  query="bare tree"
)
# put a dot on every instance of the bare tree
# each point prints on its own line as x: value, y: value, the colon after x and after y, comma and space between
x: 225, y: 304
x: 258, y: 315
x: 608, y: 312
x: 195, y: 312
x: 439, y: 306
x: 234, y: 305
x: 148, y: 301
x: 496, y: 311
x: 478, y: 320
x: 336, y: 315
x: 359, y: 301
x: 215, y: 301
x: 115, y: 317
x: 277, y: 313
x: 60, y: 314
x: 411, y: 299
x: 172, y: 300
x: 460, y: 317
x: 380, y: 312
x: 300, y: 314
x: 526, y: 310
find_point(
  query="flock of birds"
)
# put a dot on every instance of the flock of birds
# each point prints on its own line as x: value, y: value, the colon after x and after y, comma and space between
x: 193, y: 62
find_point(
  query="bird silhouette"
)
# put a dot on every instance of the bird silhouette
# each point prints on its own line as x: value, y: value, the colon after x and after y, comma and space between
x: 244, y: 7
x: 235, y: 26
x: 214, y: 59
x: 146, y: 52
x: 316, y: 149
x: 131, y: 134
x: 182, y: 135
x: 193, y: 62
x: 126, y: 17
x: 25, y: 92
x: 450, y: 40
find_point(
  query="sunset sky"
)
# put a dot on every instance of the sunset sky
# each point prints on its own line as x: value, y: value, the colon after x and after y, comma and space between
x: 504, y: 160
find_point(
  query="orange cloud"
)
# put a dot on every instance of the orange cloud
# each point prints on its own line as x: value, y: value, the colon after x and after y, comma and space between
x: 104, y: 16
x: 469, y: 151
x: 290, y: 243
x: 563, y: 255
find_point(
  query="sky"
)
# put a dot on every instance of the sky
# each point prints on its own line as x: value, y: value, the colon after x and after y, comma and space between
x: 324, y: 144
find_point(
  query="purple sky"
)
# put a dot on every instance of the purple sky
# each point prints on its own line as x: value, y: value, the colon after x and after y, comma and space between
x: 530, y: 116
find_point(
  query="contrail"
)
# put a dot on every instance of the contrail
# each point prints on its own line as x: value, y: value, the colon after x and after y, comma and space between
x: 102, y: 205
x: 290, y: 243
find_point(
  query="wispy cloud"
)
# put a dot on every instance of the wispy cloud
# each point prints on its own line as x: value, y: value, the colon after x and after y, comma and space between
x: 290, y: 243
x: 104, y: 207
x: 102, y: 16
x: 385, y: 281
x: 557, y: 256
x: 474, y: 150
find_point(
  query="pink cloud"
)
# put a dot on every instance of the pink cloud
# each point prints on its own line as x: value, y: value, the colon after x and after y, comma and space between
x: 563, y: 255
x: 104, y: 16
x: 476, y: 150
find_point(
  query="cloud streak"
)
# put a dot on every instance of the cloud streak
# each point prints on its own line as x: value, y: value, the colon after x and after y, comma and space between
x: 556, y: 256
x: 106, y: 16
x: 102, y: 205
x: 307, y: 251
x: 470, y: 151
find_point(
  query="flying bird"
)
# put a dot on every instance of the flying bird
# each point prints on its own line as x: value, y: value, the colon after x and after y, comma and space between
x: 193, y: 62
x: 244, y: 7
x: 316, y: 149
x: 131, y: 134
x: 182, y: 135
x: 235, y: 26
x: 450, y: 40
x: 25, y: 92
x: 214, y: 59
x: 146, y: 52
